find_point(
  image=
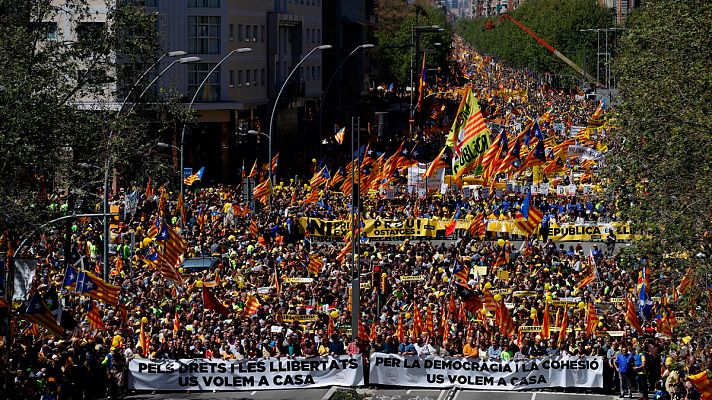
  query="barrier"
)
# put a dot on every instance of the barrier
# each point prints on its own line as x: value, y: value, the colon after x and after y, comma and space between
x: 262, y: 374
x: 469, y: 373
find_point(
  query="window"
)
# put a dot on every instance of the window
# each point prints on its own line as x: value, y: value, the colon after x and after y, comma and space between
x: 203, y: 35
x: 196, y: 74
x: 313, y: 73
x: 247, y: 77
x: 232, y: 78
x: 231, y: 31
x: 318, y: 72
x: 318, y: 40
x: 262, y: 33
x: 239, y: 32
x: 203, y: 3
x: 89, y: 31
x: 247, y: 33
x: 239, y: 78
x: 50, y: 29
x: 254, y: 33
x: 308, y: 35
x: 262, y: 77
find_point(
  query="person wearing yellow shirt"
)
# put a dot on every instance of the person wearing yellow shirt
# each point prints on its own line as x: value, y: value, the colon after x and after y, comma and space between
x: 470, y: 349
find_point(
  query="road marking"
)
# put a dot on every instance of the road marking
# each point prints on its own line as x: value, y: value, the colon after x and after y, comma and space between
x: 253, y: 393
x: 534, y: 396
x: 408, y: 391
x: 328, y: 394
x: 442, y: 393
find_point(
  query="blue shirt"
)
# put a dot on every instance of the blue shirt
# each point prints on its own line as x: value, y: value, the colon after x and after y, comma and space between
x: 623, y: 361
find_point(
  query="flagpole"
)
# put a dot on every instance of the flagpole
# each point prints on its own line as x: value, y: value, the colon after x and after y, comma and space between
x: 354, y: 311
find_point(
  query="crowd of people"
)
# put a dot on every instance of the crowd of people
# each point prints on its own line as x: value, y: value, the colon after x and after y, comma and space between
x: 533, y: 277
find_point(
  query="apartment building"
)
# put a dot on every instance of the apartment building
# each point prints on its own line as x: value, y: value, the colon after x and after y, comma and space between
x: 239, y: 95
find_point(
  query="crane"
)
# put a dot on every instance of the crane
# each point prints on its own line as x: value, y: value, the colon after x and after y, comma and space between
x: 489, y: 26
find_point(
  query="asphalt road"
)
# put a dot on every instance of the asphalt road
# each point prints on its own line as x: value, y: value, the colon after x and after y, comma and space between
x: 373, y: 394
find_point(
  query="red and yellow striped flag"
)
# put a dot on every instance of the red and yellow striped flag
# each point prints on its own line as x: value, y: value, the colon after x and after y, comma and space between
x: 251, y: 305
x: 315, y: 264
x: 262, y: 191
x: 254, y: 230
x: 94, y: 317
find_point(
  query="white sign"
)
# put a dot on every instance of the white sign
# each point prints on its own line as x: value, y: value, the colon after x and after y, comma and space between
x: 261, y: 374
x: 474, y: 373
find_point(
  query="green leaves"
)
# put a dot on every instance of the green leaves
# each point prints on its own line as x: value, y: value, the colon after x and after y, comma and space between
x: 664, y: 146
x: 556, y: 21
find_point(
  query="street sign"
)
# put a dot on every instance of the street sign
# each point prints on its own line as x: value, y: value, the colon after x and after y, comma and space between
x: 187, y: 172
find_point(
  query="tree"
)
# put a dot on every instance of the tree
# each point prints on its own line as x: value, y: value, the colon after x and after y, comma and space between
x: 661, y: 165
x: 557, y: 21
x: 396, y: 18
x: 44, y: 131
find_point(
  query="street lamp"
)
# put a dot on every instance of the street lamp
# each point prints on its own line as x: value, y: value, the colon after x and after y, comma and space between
x: 184, y: 60
x: 195, y: 96
x: 107, y: 166
x: 415, y: 41
x: 276, y: 101
x: 331, y: 80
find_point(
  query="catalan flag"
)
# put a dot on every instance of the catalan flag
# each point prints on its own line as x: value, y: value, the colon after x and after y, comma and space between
x: 503, y: 319
x: 373, y: 334
x: 400, y: 332
x: 546, y: 324
x: 149, y: 189
x: 591, y: 320
x: 38, y: 313
x: 143, y: 341
x: 97, y: 289
x: 477, y: 226
x: 417, y: 320
x: 312, y: 197
x: 687, y: 282
x: 253, y: 171
x: 262, y: 191
x: 274, y: 163
x: 528, y: 217
x: 195, y: 177
x: 176, y: 323
x: 170, y: 273
x: 315, y: 264
x: 180, y: 206
x: 440, y: 161
x: 251, y: 305
x: 631, y: 316
x: 254, y: 230
x: 421, y: 85
x: 340, y: 135
x: 564, y: 326
x: 703, y: 384
x: 94, y: 317
x: 429, y: 321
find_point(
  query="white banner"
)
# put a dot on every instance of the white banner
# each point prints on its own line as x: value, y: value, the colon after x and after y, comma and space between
x: 22, y: 279
x: 260, y: 374
x: 584, y: 153
x: 474, y: 373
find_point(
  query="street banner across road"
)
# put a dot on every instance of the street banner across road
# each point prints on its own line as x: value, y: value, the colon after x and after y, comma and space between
x: 470, y: 373
x: 262, y: 374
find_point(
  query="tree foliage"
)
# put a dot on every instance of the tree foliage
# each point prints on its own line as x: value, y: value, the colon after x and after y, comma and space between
x: 661, y: 165
x: 556, y: 21
x: 45, y: 135
x: 396, y: 18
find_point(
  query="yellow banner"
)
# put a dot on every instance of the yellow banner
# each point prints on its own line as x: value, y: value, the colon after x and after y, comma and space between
x: 426, y: 227
x: 409, y: 278
x: 301, y: 318
x: 298, y: 280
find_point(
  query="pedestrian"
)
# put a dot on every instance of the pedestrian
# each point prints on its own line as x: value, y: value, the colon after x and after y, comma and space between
x: 623, y: 364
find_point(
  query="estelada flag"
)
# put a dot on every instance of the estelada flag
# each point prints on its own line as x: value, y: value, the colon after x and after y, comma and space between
x: 94, y: 317
x: 38, y: 313
x: 210, y: 302
x: 340, y: 135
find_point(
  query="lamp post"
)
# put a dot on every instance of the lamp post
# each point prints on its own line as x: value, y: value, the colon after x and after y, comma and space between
x: 107, y: 166
x: 184, y: 60
x: 195, y: 96
x: 328, y: 85
x: 276, y: 101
